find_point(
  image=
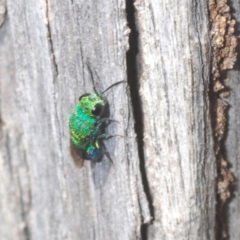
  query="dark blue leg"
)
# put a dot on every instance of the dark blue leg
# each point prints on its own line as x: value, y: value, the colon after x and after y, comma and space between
x: 97, y: 131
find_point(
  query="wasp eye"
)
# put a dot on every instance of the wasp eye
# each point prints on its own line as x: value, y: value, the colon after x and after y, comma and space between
x: 97, y: 110
x: 84, y: 95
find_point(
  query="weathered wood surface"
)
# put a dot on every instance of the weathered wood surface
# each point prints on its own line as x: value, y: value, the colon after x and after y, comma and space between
x: 232, y: 139
x: 44, y: 48
x: 174, y: 70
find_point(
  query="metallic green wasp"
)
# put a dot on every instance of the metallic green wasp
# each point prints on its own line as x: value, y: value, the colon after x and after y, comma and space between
x: 87, y: 127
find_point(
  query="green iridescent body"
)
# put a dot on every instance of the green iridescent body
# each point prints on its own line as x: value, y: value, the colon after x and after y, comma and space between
x: 81, y: 126
x: 85, y: 125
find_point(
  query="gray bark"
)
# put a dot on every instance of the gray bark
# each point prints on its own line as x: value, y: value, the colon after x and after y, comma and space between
x: 178, y: 146
x: 44, y: 49
x: 232, y: 140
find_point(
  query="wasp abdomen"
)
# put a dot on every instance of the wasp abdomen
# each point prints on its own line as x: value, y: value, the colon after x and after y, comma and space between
x: 81, y: 127
x: 92, y: 153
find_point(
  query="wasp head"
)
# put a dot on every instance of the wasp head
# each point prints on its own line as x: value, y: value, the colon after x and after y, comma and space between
x: 92, y: 104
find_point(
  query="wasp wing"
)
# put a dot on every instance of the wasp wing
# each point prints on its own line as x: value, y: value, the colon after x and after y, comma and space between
x: 77, y: 154
x: 100, y: 170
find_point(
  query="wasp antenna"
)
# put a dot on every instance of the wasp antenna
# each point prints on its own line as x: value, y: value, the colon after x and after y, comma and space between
x: 114, y: 84
x: 91, y: 74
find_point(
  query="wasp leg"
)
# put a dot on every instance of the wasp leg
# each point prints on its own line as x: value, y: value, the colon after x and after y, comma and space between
x: 105, y: 152
x: 107, y: 135
x: 97, y: 131
x: 102, y: 121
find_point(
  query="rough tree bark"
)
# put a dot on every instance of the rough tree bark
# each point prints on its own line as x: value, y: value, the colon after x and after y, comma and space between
x: 160, y: 187
x: 232, y: 139
x: 174, y: 78
x: 44, y: 48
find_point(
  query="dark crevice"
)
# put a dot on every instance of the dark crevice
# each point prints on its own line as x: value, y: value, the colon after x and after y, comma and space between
x: 55, y: 66
x: 3, y: 13
x: 213, y: 99
x: 219, y: 109
x: 221, y: 220
x: 24, y: 212
x: 221, y: 223
x: 8, y: 153
x: 132, y: 75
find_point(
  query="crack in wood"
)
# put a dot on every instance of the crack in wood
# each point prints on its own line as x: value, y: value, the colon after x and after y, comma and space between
x: 224, y: 56
x: 51, y: 47
x: 3, y: 11
x: 25, y: 209
x: 132, y: 75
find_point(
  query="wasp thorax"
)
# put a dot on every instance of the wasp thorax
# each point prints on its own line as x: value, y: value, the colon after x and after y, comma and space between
x: 92, y: 104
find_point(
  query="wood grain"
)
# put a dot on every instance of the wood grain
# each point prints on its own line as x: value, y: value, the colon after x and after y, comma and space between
x: 44, y: 48
x: 174, y: 75
x: 170, y: 191
x: 232, y: 139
